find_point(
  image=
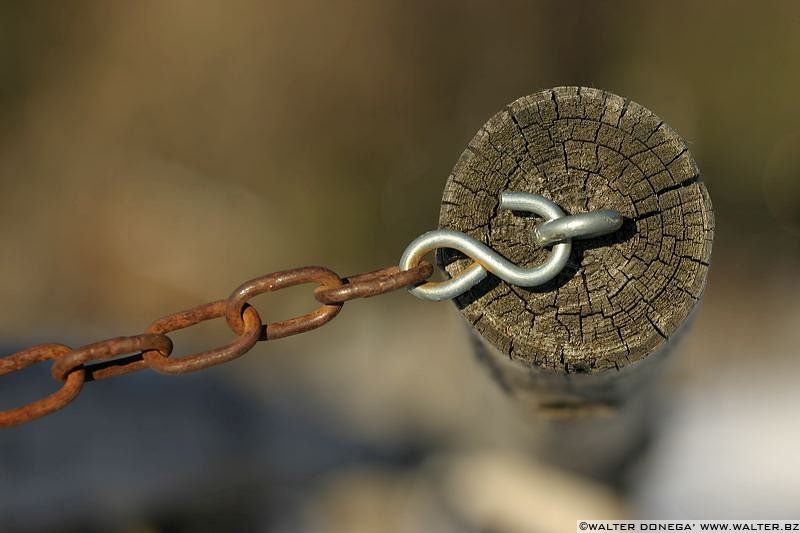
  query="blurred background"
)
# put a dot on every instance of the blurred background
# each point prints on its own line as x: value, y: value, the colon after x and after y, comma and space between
x: 153, y: 155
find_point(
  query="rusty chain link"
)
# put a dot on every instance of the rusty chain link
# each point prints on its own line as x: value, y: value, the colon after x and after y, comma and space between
x: 152, y: 349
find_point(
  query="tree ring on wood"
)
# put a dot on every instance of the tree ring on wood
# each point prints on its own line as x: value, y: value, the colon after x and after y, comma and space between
x: 622, y: 296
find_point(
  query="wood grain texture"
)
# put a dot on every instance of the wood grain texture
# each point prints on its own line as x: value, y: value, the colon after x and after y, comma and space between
x: 621, y: 297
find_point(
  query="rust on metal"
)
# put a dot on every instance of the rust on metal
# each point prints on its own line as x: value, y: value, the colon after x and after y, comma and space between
x: 108, y: 351
x: 189, y: 363
x: 115, y: 367
x: 153, y: 349
x: 374, y: 283
x: 281, y: 280
x: 68, y: 391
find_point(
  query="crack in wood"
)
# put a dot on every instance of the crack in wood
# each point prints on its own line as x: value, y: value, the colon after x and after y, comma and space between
x: 585, y: 149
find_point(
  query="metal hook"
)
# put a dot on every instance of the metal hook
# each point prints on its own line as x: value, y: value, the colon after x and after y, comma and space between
x: 486, y: 259
x: 580, y: 226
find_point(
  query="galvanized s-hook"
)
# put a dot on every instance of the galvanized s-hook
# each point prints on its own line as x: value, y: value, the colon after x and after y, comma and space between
x: 557, y: 228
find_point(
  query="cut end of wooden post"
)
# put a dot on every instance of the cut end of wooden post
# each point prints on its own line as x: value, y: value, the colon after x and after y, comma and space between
x: 621, y: 297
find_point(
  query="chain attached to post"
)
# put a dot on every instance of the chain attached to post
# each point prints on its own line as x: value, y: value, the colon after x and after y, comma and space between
x: 152, y: 349
x: 557, y: 228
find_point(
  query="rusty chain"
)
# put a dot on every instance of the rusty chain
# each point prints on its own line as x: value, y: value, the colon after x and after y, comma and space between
x: 152, y: 349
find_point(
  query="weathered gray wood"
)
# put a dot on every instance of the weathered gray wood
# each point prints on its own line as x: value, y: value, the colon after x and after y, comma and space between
x: 584, y: 342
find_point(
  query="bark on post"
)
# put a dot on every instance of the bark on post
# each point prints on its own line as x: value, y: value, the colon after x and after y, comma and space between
x: 578, y: 352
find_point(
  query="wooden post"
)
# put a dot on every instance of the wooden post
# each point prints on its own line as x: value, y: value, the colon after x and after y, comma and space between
x: 579, y: 352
